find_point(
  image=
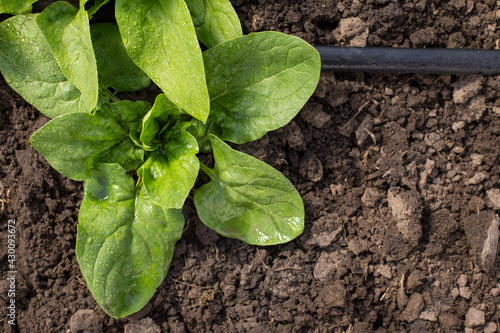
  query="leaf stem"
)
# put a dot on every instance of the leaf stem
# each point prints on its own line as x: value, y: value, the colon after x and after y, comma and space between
x: 109, y: 94
x: 208, y: 171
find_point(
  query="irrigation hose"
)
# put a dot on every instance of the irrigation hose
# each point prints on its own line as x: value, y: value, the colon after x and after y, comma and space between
x: 410, y: 61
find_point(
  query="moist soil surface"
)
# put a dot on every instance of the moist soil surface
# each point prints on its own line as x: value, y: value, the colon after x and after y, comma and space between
x: 400, y: 176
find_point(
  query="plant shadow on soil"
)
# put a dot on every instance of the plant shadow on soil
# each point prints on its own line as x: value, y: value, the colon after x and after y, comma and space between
x: 399, y: 175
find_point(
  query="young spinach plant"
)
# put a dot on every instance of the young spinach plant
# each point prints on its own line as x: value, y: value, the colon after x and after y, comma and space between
x: 139, y: 161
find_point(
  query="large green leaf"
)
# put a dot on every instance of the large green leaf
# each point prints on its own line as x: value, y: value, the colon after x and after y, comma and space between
x: 28, y: 66
x: 16, y: 7
x: 125, y: 242
x: 72, y: 142
x: 215, y: 21
x: 160, y: 38
x: 259, y: 82
x: 248, y: 200
x: 67, y: 32
x: 170, y: 173
x: 115, y: 68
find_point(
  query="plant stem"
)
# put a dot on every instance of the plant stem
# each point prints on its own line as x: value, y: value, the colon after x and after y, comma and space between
x: 208, y: 171
x: 109, y: 94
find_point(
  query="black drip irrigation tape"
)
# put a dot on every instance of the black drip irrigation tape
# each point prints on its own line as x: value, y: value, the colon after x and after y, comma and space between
x: 410, y: 61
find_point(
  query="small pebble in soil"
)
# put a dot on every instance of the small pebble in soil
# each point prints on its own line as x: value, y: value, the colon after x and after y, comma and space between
x: 407, y: 208
x: 490, y: 327
x: 311, y: 167
x: 428, y: 315
x: 456, y: 126
x: 327, y: 264
x: 462, y: 280
x: 414, y: 280
x: 364, y: 130
x: 313, y: 114
x: 482, y: 235
x: 495, y: 292
x: 145, y: 325
x: 385, y: 271
x: 416, y: 304
x: 474, y: 318
x: 465, y: 292
x: 85, y: 321
x: 466, y: 87
x: 355, y: 29
x: 358, y: 246
x: 371, y: 197
x: 494, y: 196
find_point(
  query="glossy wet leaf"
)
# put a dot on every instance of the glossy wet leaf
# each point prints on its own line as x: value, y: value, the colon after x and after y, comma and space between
x: 160, y: 38
x: 170, y: 173
x: 126, y: 153
x: 116, y: 69
x: 72, y: 142
x: 259, y: 82
x: 215, y: 21
x: 248, y: 200
x: 125, y: 242
x: 16, y: 7
x: 128, y: 114
x: 28, y: 66
x: 161, y: 114
x: 67, y: 32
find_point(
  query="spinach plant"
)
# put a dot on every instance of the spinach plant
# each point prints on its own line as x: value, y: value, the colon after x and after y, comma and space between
x: 139, y: 161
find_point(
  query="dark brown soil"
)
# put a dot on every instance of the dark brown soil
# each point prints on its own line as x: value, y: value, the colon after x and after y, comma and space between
x: 400, y: 175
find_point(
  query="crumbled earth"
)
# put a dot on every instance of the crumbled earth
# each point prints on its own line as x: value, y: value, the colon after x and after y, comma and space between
x: 400, y: 176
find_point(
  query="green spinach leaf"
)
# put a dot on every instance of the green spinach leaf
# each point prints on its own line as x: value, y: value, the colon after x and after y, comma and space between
x: 169, y: 173
x: 72, y: 142
x: 126, y: 153
x: 67, y: 32
x: 259, y: 82
x: 28, y: 66
x: 125, y: 242
x: 215, y: 21
x: 160, y: 38
x: 16, y: 7
x: 248, y: 200
x: 162, y: 113
x: 128, y: 114
x: 115, y: 68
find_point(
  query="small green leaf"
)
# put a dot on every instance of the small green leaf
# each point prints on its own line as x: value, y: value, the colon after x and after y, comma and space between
x: 248, y: 199
x: 259, y: 82
x: 67, y: 32
x: 202, y: 132
x: 16, y: 7
x: 125, y: 242
x: 72, y: 142
x: 115, y: 68
x: 28, y: 66
x: 170, y: 173
x: 159, y: 116
x: 160, y: 38
x: 128, y: 114
x: 126, y: 153
x: 215, y: 21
